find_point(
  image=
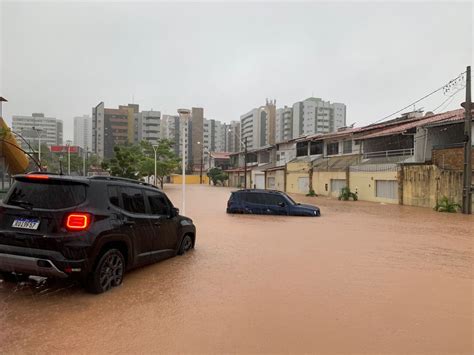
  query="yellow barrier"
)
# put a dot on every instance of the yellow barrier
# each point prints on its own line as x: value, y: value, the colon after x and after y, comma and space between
x: 189, y: 179
x: 16, y: 161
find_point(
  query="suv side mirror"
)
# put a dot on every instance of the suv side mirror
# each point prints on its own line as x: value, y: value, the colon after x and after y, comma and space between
x: 174, y: 212
x: 281, y: 204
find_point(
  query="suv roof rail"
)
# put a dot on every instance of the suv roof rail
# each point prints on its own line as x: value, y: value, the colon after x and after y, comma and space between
x: 116, y: 178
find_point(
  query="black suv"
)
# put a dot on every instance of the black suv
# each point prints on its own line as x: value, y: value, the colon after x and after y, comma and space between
x: 259, y: 201
x: 93, y: 229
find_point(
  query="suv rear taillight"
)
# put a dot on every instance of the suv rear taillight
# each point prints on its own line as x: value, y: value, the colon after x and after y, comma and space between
x: 78, y: 221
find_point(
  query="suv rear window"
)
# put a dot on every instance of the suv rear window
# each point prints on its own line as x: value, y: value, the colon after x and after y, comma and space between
x: 51, y: 195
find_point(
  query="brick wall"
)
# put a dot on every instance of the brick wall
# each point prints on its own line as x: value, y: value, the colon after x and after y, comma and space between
x: 449, y: 158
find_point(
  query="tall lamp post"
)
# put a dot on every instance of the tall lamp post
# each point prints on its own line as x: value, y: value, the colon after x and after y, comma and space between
x: 155, y: 147
x: 68, y: 144
x: 183, y: 115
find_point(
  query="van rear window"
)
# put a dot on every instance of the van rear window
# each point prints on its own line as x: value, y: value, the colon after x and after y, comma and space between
x: 51, y: 195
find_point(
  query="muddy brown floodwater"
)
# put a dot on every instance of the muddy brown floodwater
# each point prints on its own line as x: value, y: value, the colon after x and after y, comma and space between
x: 363, y: 278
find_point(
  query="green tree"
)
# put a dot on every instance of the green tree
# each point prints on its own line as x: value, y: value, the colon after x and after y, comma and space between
x: 166, y: 159
x: 217, y: 175
x: 138, y: 160
x: 125, y: 162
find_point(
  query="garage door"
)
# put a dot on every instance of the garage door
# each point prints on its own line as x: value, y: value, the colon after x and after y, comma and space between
x: 260, y: 181
x: 386, y: 189
x: 271, y: 183
x: 336, y: 186
x: 303, y: 185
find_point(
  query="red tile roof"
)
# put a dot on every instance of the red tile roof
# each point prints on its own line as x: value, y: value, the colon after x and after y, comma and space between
x: 220, y: 155
x: 402, y: 127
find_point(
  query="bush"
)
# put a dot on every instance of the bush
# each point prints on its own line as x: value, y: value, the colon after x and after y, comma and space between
x: 311, y: 193
x: 346, y: 194
x: 444, y: 205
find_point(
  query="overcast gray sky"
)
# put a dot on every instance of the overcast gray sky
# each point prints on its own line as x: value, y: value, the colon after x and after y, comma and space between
x: 64, y: 58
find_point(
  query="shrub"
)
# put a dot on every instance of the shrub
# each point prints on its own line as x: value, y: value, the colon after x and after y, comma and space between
x: 444, y: 205
x: 346, y: 194
x: 311, y: 193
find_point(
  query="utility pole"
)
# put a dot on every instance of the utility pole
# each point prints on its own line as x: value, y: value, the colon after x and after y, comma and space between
x: 155, y: 147
x: 202, y: 162
x: 467, y: 176
x: 245, y: 162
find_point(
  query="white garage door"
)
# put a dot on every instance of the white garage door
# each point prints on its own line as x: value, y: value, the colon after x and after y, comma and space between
x: 260, y: 181
x: 336, y: 186
x: 303, y: 185
x: 386, y: 189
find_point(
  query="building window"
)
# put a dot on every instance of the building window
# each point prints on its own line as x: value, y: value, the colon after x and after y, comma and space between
x: 332, y: 148
x: 316, y: 148
x: 301, y: 149
x: 347, y: 147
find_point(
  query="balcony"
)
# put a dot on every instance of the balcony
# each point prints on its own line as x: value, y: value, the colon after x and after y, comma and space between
x: 389, y: 153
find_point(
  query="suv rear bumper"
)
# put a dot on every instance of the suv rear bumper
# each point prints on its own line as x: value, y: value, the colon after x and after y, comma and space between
x: 38, y: 262
x: 29, y: 265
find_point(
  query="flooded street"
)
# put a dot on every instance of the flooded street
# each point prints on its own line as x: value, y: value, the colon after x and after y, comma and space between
x: 363, y: 278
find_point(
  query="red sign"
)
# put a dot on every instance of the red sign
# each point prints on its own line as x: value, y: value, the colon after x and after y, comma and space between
x: 64, y: 149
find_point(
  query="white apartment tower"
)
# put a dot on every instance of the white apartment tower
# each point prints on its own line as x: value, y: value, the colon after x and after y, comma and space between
x: 38, y: 128
x: 83, y: 132
x: 314, y: 115
x: 284, y: 124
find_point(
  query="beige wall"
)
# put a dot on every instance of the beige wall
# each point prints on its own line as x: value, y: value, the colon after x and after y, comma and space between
x: 424, y: 185
x: 321, y: 178
x: 279, y: 176
x: 364, y: 184
x: 295, y: 170
x: 235, y: 177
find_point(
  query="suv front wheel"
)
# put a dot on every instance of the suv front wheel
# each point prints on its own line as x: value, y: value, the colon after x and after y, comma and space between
x: 108, y: 272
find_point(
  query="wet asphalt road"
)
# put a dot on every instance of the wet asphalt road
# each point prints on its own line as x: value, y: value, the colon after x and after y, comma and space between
x: 363, y: 278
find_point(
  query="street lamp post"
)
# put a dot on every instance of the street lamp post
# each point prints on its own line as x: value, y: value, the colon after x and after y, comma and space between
x: 38, y: 132
x: 84, y: 161
x: 155, y: 147
x: 68, y: 142
x: 184, y: 115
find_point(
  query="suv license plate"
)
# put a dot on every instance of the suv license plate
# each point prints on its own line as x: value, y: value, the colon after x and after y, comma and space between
x: 26, y: 223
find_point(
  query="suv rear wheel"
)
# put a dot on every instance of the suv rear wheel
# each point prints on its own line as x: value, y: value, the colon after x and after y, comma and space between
x: 108, y: 272
x: 186, y: 244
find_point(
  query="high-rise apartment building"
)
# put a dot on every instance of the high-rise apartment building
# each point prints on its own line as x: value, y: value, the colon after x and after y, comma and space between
x: 233, y: 141
x: 111, y: 127
x: 147, y: 126
x: 314, y: 115
x: 83, y: 132
x: 284, y: 124
x: 258, y: 125
x: 38, y: 128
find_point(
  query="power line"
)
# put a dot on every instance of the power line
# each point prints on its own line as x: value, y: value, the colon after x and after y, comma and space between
x: 451, y: 97
x: 446, y: 88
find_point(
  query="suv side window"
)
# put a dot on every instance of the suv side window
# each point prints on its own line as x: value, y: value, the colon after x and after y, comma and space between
x: 114, y: 195
x: 158, y: 203
x: 274, y: 199
x: 133, y: 200
x: 257, y: 198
